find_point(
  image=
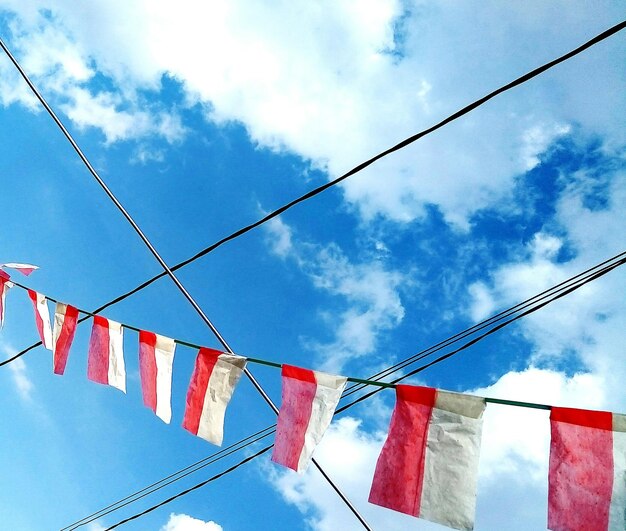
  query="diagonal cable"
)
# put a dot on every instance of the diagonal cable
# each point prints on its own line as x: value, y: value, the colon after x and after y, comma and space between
x: 165, y: 267
x: 312, y: 193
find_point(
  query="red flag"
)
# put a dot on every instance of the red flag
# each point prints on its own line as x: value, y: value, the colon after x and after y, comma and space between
x: 105, y: 362
x: 214, y: 378
x: 587, y: 478
x: 156, y: 356
x: 65, y: 318
x: 429, y: 463
x: 309, y: 400
x: 42, y: 318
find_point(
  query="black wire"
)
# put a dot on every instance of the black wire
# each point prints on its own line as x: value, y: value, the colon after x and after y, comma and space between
x: 177, y: 476
x: 555, y: 297
x: 312, y: 193
x: 488, y: 333
x: 185, y: 492
x: 482, y: 325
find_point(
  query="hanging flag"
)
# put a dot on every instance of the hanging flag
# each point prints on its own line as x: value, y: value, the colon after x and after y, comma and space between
x: 309, y: 400
x: 213, y: 381
x: 25, y: 269
x: 156, y: 355
x: 587, y: 477
x: 429, y: 463
x: 105, y: 362
x: 5, y: 285
x: 42, y: 318
x: 65, y: 317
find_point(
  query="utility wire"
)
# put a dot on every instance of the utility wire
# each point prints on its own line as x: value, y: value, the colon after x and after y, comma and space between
x: 166, y: 268
x: 162, y: 483
x: 195, y: 487
x: 569, y: 288
x: 490, y: 321
x: 312, y: 193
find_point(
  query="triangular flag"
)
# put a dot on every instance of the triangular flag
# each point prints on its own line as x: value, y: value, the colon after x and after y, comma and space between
x: 65, y: 317
x: 156, y: 355
x: 25, y: 269
x: 587, y: 478
x: 42, y: 318
x: 309, y: 400
x: 429, y: 463
x: 213, y: 381
x: 5, y: 285
x: 105, y: 362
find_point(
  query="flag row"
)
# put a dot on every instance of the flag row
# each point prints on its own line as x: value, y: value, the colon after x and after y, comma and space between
x: 428, y: 464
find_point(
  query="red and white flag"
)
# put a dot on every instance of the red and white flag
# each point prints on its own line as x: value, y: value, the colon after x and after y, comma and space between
x: 212, y: 384
x: 587, y: 478
x: 429, y: 463
x: 5, y: 285
x: 156, y: 356
x: 65, y: 317
x: 42, y: 318
x: 25, y: 269
x: 309, y: 400
x: 105, y: 362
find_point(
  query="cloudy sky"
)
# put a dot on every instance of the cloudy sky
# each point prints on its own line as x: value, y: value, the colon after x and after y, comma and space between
x: 203, y: 118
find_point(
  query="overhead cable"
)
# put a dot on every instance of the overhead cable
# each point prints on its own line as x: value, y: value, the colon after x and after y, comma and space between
x: 468, y: 108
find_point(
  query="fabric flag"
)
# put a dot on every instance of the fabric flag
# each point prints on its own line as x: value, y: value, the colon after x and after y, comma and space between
x: 5, y: 285
x: 587, y: 477
x: 25, y: 269
x: 65, y: 317
x: 309, y: 400
x: 156, y: 356
x: 212, y: 384
x: 42, y: 318
x: 429, y: 463
x: 105, y: 362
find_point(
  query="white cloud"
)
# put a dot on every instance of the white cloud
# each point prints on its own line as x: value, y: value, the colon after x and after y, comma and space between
x: 183, y: 522
x: 335, y: 82
x: 19, y: 373
x: 369, y: 291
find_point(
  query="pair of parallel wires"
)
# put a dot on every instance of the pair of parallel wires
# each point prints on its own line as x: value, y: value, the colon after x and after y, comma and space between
x: 169, y: 271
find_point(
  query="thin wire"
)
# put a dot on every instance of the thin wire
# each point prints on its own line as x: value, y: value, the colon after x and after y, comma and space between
x: 166, y: 268
x: 312, y: 193
x: 467, y: 345
x: 177, y: 476
x: 195, y: 487
x: 488, y: 333
x: 484, y: 324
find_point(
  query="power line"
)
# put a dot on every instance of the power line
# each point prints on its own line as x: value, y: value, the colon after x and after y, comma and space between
x: 166, y: 268
x: 312, y: 193
x: 567, y: 287
x: 195, y: 487
x: 177, y: 476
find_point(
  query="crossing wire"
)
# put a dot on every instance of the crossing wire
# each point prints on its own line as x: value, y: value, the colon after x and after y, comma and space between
x: 312, y: 193
x: 566, y: 287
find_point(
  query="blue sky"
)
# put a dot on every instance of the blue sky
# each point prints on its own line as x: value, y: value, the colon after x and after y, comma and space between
x: 201, y: 119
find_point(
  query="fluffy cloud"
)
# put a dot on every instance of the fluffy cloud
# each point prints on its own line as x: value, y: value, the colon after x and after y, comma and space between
x: 335, y: 82
x: 183, y: 522
x: 19, y: 373
x: 586, y: 327
x: 370, y: 291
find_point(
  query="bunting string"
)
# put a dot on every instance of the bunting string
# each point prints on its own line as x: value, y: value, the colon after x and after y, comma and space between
x: 539, y: 301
